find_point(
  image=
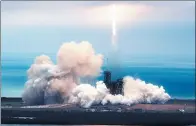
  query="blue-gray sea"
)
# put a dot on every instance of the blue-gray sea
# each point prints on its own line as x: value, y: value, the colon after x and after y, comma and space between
x: 177, y: 76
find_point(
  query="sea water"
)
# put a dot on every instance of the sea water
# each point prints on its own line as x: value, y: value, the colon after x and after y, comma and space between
x: 177, y: 76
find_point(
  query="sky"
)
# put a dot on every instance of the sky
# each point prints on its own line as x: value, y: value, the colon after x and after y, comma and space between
x: 144, y: 28
x: 159, y: 32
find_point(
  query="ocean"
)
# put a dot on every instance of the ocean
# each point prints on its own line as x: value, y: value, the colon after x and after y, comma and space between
x: 176, y: 76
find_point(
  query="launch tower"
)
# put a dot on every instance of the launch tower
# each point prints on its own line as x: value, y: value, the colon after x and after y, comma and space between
x: 115, y: 87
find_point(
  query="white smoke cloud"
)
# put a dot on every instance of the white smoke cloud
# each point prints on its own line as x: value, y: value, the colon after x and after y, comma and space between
x: 80, y: 58
x: 46, y: 79
x: 135, y: 91
x: 139, y: 91
x: 86, y: 94
x: 49, y: 83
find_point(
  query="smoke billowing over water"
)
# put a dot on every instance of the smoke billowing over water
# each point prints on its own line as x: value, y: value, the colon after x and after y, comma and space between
x: 50, y: 83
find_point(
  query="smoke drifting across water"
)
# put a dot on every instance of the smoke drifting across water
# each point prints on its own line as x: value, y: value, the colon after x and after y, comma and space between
x: 50, y: 83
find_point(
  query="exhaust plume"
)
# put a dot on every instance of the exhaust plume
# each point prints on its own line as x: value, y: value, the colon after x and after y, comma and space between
x: 50, y: 83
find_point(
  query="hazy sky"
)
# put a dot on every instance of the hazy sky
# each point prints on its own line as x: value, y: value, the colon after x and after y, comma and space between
x: 155, y: 30
x: 143, y: 28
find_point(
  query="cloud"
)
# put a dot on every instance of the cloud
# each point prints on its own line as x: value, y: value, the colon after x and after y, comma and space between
x: 66, y: 13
